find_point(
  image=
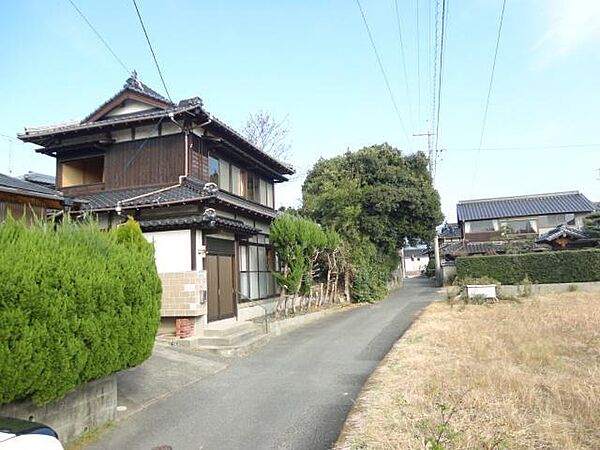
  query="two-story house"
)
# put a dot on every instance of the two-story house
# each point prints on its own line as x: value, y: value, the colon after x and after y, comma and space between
x: 527, y: 216
x: 200, y: 191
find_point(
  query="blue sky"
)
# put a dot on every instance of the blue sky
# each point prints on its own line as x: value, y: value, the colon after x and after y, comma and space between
x: 311, y: 62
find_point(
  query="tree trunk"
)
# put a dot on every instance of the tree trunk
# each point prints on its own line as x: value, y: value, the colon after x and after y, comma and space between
x: 347, y: 285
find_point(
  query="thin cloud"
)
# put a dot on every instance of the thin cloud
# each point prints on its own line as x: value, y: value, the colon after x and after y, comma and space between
x: 571, y: 25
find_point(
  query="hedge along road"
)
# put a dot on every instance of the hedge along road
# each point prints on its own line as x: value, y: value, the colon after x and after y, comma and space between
x: 294, y: 393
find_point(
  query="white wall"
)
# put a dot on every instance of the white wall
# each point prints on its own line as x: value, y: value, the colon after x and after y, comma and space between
x: 416, y: 265
x: 172, y: 250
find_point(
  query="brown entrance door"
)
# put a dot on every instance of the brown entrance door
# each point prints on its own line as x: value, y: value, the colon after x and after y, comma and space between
x: 220, y: 268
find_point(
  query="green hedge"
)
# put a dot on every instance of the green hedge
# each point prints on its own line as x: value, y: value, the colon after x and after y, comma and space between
x: 549, y: 267
x: 76, y: 304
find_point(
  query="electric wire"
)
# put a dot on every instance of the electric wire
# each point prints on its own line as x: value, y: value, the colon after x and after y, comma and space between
x: 418, y: 66
x: 526, y: 148
x: 108, y: 47
x: 489, y: 92
x: 403, y: 58
x: 383, y: 73
x: 137, y: 151
x: 151, y: 49
x: 10, y: 138
x: 439, y: 83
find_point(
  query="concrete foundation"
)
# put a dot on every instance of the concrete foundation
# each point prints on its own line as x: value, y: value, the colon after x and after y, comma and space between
x: 89, y: 406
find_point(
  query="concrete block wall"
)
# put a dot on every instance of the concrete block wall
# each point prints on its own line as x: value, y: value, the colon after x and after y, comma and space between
x: 88, y: 406
x: 183, y: 294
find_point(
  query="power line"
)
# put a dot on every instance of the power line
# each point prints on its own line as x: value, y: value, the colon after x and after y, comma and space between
x: 152, y: 50
x: 99, y: 36
x: 526, y: 148
x: 489, y: 92
x: 444, y: 19
x: 10, y: 138
x: 418, y: 67
x: 435, y: 68
x: 440, y: 74
x: 385, y: 78
x: 403, y: 58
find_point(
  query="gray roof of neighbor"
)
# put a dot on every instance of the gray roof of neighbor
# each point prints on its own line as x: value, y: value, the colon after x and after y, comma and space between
x: 526, y: 205
x: 39, y: 178
x: 8, y: 183
x: 190, y: 190
x: 562, y: 231
x: 450, y: 230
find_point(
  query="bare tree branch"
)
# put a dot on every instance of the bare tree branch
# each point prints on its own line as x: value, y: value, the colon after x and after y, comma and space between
x: 268, y: 134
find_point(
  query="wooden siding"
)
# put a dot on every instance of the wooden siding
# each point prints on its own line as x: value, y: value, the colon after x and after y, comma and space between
x: 160, y: 161
x: 21, y: 210
x: 198, y: 159
x: 483, y: 236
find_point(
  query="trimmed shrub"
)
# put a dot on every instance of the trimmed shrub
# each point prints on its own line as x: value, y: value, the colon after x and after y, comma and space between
x: 370, y: 272
x: 76, y: 304
x: 549, y: 267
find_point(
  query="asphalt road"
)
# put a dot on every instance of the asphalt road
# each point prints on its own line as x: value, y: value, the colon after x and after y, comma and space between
x: 294, y: 393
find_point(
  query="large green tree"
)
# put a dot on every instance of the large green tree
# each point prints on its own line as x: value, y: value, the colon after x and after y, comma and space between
x: 375, y: 192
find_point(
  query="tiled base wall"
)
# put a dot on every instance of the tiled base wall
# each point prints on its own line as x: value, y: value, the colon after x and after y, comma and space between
x: 183, y: 295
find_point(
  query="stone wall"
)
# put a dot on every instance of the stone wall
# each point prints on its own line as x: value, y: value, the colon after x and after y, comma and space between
x: 89, y: 406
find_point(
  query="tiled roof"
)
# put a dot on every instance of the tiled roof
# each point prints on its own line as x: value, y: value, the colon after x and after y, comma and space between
x: 528, y: 205
x: 190, y: 191
x: 462, y: 248
x: 450, y: 230
x: 561, y: 231
x: 14, y: 184
x: 39, y: 178
x: 414, y: 251
x: 142, y: 196
x: 38, y: 134
x: 134, y: 84
x: 32, y: 132
x: 196, y: 219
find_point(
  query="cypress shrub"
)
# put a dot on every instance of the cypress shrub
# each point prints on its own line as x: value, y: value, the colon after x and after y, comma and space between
x: 549, y: 267
x: 76, y: 304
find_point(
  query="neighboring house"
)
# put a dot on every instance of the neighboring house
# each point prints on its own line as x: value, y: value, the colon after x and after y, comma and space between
x: 39, y: 178
x: 200, y: 191
x: 450, y: 232
x: 566, y: 237
x: 521, y: 217
x: 24, y: 200
x: 415, y: 260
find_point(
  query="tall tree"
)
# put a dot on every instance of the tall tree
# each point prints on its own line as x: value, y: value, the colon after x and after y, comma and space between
x: 375, y: 192
x: 268, y: 134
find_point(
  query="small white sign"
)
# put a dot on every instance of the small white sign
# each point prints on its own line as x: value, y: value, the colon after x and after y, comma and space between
x: 486, y: 290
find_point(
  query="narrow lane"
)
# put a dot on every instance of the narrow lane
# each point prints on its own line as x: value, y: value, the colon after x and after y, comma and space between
x: 294, y: 393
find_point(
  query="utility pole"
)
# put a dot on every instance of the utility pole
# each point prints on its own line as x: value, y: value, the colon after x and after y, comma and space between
x: 430, y: 151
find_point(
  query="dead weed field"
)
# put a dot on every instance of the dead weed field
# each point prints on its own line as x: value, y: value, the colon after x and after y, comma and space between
x: 512, y: 375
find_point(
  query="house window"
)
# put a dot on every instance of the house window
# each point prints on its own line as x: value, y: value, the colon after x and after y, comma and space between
x: 554, y: 220
x: 270, y: 195
x: 520, y: 226
x: 82, y: 171
x: 213, y: 170
x: 235, y: 180
x: 224, y: 176
x: 257, y: 260
x: 481, y: 226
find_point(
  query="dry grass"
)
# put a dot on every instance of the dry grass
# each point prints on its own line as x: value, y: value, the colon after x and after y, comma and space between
x: 506, y: 376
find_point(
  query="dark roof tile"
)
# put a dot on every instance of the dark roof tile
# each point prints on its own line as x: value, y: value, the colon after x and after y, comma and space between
x: 27, y: 187
x: 528, y: 205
